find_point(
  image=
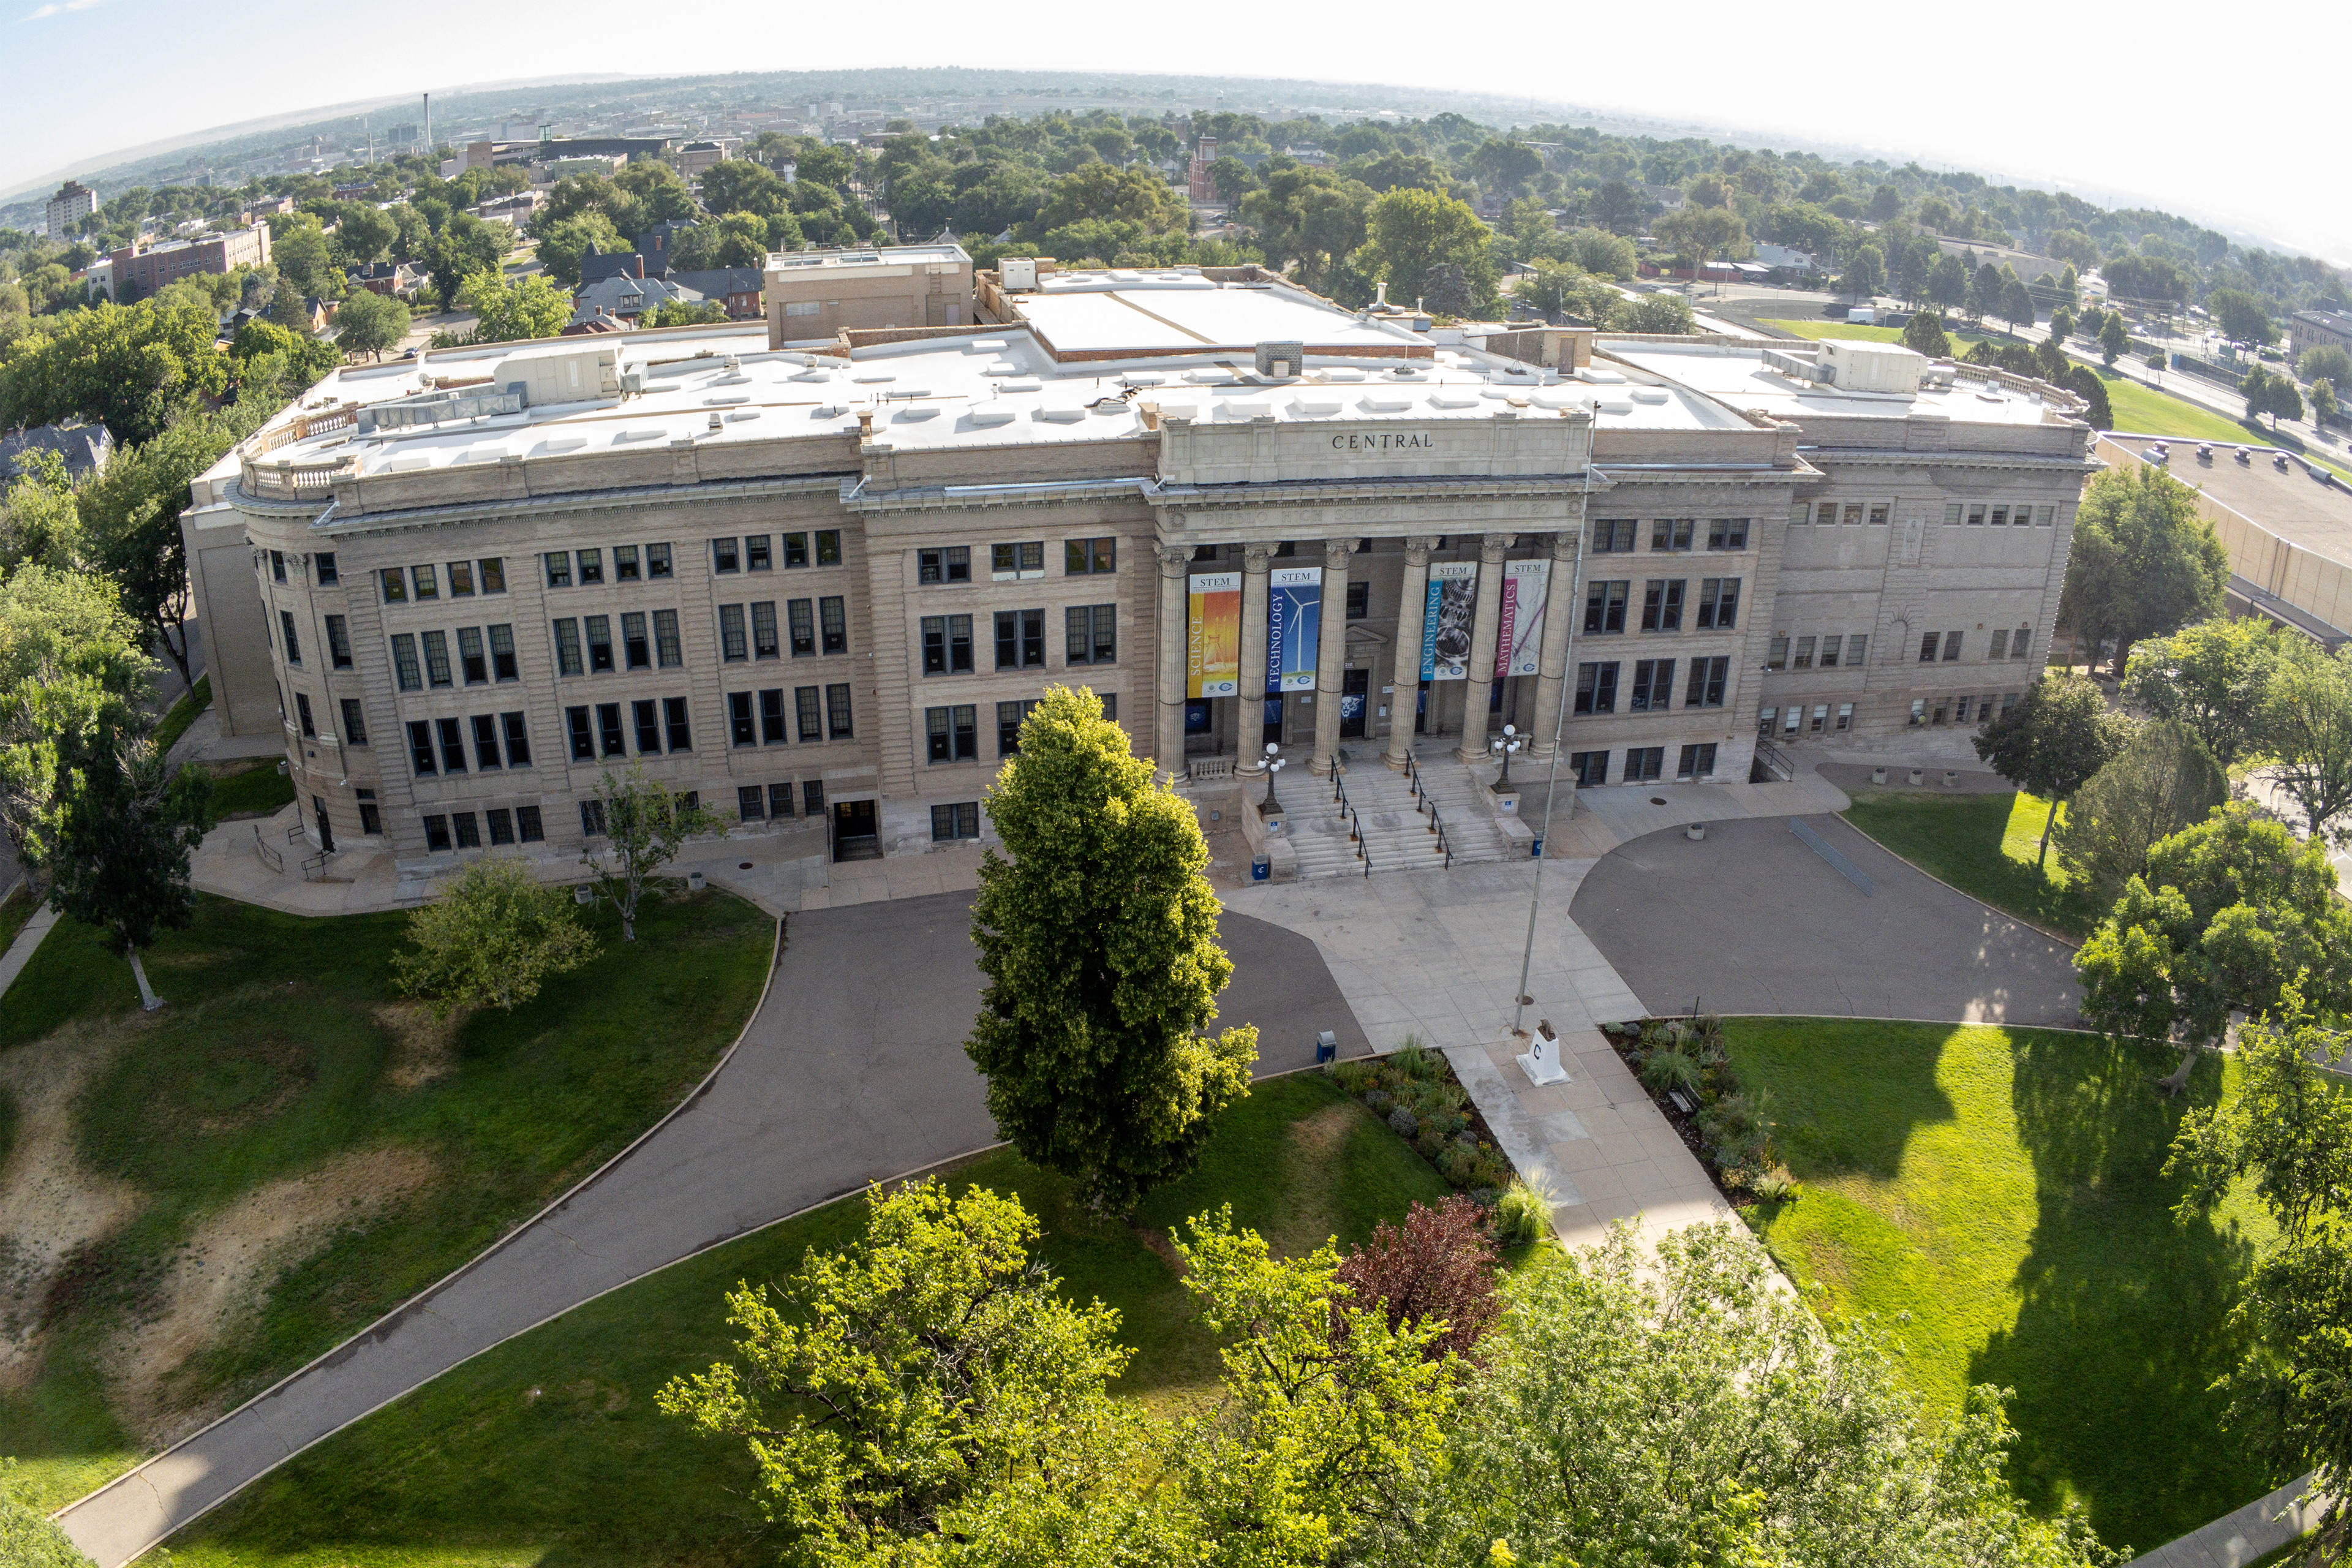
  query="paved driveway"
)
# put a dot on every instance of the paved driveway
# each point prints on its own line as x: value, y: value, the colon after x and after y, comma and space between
x: 853, y: 1071
x: 1751, y: 920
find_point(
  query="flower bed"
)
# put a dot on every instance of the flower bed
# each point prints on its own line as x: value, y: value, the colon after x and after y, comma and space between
x: 1415, y: 1093
x: 1686, y: 1068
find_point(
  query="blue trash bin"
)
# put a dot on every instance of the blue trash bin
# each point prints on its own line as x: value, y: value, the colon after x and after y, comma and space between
x: 1327, y: 1046
x: 1535, y: 851
x: 1260, y: 868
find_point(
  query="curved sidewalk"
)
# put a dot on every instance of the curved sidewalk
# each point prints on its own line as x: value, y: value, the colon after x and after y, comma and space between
x: 852, y: 1071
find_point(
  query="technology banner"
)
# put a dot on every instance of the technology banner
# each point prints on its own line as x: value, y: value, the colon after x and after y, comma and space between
x: 1520, y: 636
x: 1213, y: 636
x: 1445, y: 620
x: 1294, y: 627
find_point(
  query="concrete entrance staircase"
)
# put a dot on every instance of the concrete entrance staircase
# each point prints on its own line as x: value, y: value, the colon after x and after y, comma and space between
x: 1395, y: 813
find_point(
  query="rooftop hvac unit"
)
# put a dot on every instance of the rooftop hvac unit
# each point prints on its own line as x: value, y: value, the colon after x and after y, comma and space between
x: 1281, y: 359
x: 1018, y: 271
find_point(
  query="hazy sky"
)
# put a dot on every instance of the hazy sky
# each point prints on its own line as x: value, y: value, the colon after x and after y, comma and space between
x: 2229, y: 125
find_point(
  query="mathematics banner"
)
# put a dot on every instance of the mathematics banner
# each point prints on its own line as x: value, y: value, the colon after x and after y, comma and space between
x: 1294, y: 624
x: 1520, y: 634
x: 1213, y: 636
x: 1445, y: 620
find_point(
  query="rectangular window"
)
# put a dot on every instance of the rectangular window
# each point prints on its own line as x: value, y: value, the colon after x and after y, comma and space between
x: 355, y: 723
x: 1826, y: 513
x: 734, y: 645
x: 1952, y: 514
x: 2044, y: 515
x: 1008, y: 725
x: 751, y: 803
x: 1999, y: 518
x: 1604, y: 607
x: 461, y: 579
x: 493, y: 576
x: 436, y: 659
x: 1776, y: 655
x: 1975, y: 515
x: 725, y: 555
x: 1796, y: 717
x: 1855, y: 647
x: 501, y: 826
x: 1615, y: 535
x: 1726, y: 533
x: 371, y: 818
x: 645, y: 716
x: 658, y: 565
x: 1830, y: 647
x: 951, y: 734
x: 437, y: 833
x: 828, y: 547
x: 771, y: 718
x: 567, y: 646
x: 470, y: 657
x: 583, y: 740
x: 470, y: 829
x: 946, y: 645
x: 1590, y: 768
x: 1643, y: 763
x: 796, y: 550
x: 1088, y: 635
x: 832, y: 623
x: 1999, y: 648
x: 811, y: 797
x: 624, y: 563
x: 681, y: 739
x: 502, y: 652
x: 1360, y: 601
x: 302, y: 714
x: 1820, y: 715
x: 453, y: 745
x: 780, y: 799
x: 1671, y: 532
x: 404, y: 662
x: 424, y: 582
x: 592, y: 818
x: 1012, y: 562
x: 764, y: 630
x: 518, y: 740
x: 947, y: 563
x: 1020, y: 638
x: 741, y: 729
x: 637, y: 648
x: 486, y: 743
x: 1919, y: 713
x: 1662, y: 604
x: 808, y: 713
x: 608, y: 730
x: 1087, y: 557
x: 1719, y: 603
x: 1695, y: 762
x: 325, y: 561
x: 396, y: 589
x: 756, y: 554
x: 1765, y: 719
x: 527, y: 825
x: 420, y: 748
x: 836, y: 712
x: 1596, y: 687
x: 1960, y: 711
x: 1653, y: 685
x: 801, y: 615
x: 2024, y: 634
x: 667, y: 651
x: 1951, y: 647
x: 1709, y: 677
x: 339, y: 643
x: 1804, y: 660
x: 293, y: 644
x: 599, y: 643
x: 1929, y: 643
x: 278, y: 565
x: 1846, y: 716
x: 949, y: 823
x: 1880, y: 511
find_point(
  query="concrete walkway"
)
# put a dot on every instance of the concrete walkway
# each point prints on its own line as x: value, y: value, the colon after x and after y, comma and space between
x: 20, y: 952
x: 846, y: 1075
x: 2237, y: 1539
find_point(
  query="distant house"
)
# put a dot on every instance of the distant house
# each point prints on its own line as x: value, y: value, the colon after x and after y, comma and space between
x: 2309, y: 329
x: 1782, y: 258
x: 397, y: 278
x: 655, y: 243
x: 84, y: 447
x: 628, y: 299
x: 592, y: 326
x: 737, y: 287
x: 595, y: 265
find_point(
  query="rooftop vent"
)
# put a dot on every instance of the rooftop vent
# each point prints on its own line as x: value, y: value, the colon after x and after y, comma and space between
x: 1018, y: 271
x: 1281, y: 360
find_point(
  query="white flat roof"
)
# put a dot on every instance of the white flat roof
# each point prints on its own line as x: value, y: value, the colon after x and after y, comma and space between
x: 1738, y: 377
x: 1173, y: 313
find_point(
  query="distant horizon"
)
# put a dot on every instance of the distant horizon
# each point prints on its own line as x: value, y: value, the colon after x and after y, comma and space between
x: 2246, y: 197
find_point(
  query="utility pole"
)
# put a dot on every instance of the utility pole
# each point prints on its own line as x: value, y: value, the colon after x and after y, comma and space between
x: 428, y: 130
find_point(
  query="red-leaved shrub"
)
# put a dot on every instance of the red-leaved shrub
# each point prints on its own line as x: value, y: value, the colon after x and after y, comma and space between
x: 1442, y: 1264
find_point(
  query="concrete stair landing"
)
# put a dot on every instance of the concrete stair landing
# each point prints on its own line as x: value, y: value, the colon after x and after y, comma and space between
x: 1396, y: 825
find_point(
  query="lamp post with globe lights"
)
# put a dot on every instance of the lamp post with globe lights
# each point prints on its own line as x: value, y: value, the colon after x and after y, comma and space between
x: 1506, y: 746
x: 1274, y: 764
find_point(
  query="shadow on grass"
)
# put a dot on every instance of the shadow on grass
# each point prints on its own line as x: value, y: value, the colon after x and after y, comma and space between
x: 1847, y: 1095
x: 2122, y: 1325
x: 1958, y: 839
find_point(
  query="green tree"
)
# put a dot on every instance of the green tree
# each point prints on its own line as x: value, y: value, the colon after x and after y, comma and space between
x: 1553, y: 289
x: 740, y: 185
x: 737, y: 240
x: 2267, y: 391
x: 28, y: 1538
x: 2084, y: 382
x: 2016, y: 303
x: 645, y: 825
x: 2052, y: 740
x: 1098, y: 190
x: 1617, y: 207
x: 2214, y: 677
x: 1232, y: 178
x: 564, y: 245
x: 1885, y: 205
x: 39, y: 524
x: 1703, y: 233
x: 1662, y: 314
x: 362, y: 235
x: 1601, y: 253
x: 126, y: 827
x: 2062, y: 325
x: 2144, y: 561
x: 465, y: 249
x: 70, y: 674
x: 2324, y: 406
x: 2163, y: 781
x: 128, y: 367
x: 2325, y: 362
x: 1948, y: 282
x: 1411, y: 230
x: 1312, y: 216
x: 1098, y: 941
x: 508, y: 310
x: 2242, y: 317
x: 2114, y: 338
x: 369, y: 324
x: 1865, y: 273
x: 1925, y: 332
x: 490, y: 940
x: 299, y: 249
x: 685, y: 313
x: 2307, y: 724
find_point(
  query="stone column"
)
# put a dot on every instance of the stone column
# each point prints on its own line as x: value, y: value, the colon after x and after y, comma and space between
x: 1551, y: 664
x: 1405, y: 677
x: 1249, y: 742
x: 1168, y: 709
x: 1331, y: 656
x: 1484, y: 632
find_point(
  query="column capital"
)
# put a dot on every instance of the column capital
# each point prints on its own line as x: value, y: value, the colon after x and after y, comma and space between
x: 1336, y: 552
x: 1173, y: 559
x: 1564, y: 543
x: 1492, y: 546
x: 1417, y: 548
x: 1255, y: 557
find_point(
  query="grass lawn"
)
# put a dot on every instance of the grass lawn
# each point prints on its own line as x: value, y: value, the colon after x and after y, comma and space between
x: 1814, y: 330
x: 183, y: 713
x: 285, y: 1065
x: 547, y: 1450
x: 255, y: 789
x: 1983, y: 845
x: 15, y: 911
x: 1992, y: 1197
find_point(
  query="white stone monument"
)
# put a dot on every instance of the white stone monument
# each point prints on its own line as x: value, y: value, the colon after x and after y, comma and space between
x: 1540, y: 1061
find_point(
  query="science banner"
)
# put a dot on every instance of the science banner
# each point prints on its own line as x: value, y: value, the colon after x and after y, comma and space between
x: 1294, y: 625
x: 1213, y: 636
x: 1519, y: 637
x: 1447, y: 618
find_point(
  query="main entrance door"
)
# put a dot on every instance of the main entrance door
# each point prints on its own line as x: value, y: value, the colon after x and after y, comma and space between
x: 856, y: 836
x: 1355, y: 693
x: 326, y: 829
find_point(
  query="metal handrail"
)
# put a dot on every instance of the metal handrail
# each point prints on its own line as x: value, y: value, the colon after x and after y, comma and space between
x: 269, y: 857
x: 315, y: 864
x: 295, y: 831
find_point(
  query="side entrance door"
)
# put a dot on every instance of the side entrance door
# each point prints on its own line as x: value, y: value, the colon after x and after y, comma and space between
x: 1355, y: 694
x: 326, y: 829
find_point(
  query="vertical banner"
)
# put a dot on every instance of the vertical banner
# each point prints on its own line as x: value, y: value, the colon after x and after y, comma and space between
x: 1294, y: 625
x: 1213, y: 636
x: 1520, y: 642
x: 1445, y: 620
